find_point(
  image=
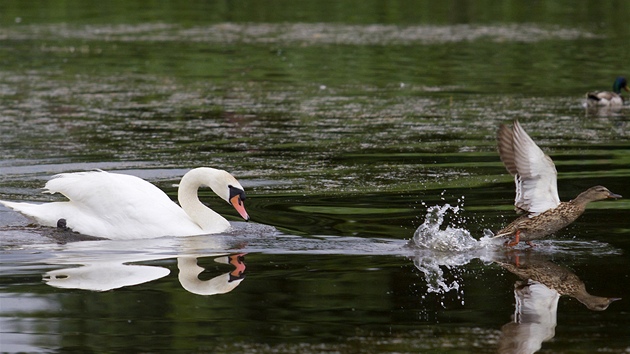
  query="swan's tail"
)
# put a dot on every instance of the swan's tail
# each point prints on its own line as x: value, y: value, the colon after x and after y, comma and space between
x: 33, y: 211
x: 13, y: 205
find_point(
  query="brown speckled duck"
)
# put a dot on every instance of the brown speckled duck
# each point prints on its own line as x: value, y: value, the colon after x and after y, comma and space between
x: 536, y: 189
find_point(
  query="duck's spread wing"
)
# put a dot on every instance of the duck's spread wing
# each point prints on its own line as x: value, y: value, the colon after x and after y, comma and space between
x: 534, y: 172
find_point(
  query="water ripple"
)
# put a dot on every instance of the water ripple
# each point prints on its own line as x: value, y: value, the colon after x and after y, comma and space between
x: 303, y: 33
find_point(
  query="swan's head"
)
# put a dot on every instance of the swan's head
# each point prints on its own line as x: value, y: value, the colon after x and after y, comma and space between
x: 221, y: 182
x: 236, y: 199
x: 229, y: 189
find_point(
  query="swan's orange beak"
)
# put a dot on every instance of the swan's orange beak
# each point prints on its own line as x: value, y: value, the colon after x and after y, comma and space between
x: 237, y: 203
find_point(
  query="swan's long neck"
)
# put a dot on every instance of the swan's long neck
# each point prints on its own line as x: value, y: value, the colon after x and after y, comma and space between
x: 187, y: 195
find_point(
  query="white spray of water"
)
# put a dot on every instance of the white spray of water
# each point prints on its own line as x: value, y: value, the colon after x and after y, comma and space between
x: 430, y: 236
x: 437, y: 247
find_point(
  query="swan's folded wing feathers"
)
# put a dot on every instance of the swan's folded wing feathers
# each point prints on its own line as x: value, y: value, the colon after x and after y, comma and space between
x: 536, y: 185
x: 84, y: 186
x: 113, y: 196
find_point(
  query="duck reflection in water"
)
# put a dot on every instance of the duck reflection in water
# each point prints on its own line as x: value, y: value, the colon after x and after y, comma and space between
x: 105, y: 275
x: 537, y: 294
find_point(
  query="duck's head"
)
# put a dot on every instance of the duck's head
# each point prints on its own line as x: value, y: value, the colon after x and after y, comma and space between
x: 597, y: 193
x: 598, y: 303
x: 620, y: 83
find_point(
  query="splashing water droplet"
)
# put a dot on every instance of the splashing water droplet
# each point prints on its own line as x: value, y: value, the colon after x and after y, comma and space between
x: 440, y: 247
x: 429, y: 235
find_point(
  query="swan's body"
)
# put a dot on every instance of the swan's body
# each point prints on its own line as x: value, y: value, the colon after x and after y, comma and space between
x: 536, y: 189
x: 608, y: 98
x: 119, y: 206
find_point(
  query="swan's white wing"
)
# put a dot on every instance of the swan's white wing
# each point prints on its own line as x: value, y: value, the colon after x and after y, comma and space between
x: 104, y: 193
x: 534, y: 172
x: 117, y: 206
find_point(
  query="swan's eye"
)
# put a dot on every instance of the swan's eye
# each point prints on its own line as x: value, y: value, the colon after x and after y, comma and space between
x: 236, y: 192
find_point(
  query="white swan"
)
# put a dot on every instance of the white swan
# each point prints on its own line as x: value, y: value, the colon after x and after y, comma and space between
x: 119, y: 206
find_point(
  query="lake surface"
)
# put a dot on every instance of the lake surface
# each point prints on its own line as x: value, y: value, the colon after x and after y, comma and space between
x: 352, y: 126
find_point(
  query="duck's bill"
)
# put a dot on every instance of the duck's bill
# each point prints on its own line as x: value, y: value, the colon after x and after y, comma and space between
x: 613, y: 195
x: 238, y: 204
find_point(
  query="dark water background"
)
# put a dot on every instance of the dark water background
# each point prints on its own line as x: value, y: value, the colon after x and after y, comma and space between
x: 345, y: 121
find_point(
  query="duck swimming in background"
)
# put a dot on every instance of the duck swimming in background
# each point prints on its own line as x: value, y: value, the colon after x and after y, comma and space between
x: 536, y: 189
x: 118, y: 206
x: 607, y: 98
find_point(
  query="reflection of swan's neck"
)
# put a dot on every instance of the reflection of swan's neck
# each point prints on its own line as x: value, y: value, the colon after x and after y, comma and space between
x: 188, y: 198
x: 188, y: 277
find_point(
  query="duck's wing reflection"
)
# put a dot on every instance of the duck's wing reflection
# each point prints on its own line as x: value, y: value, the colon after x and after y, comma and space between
x: 534, y: 318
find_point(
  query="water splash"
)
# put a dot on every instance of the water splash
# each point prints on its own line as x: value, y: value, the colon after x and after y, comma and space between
x: 430, y: 234
x: 433, y: 273
x: 438, y: 246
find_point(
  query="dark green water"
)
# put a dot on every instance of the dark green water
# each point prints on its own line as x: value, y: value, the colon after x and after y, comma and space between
x: 345, y: 121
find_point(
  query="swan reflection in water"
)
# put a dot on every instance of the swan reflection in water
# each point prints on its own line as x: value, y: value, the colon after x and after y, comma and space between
x: 104, y: 275
x: 189, y: 272
x: 112, y: 264
x: 536, y: 295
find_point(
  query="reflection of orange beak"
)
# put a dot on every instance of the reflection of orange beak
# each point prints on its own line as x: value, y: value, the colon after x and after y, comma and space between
x: 238, y: 261
x: 237, y: 203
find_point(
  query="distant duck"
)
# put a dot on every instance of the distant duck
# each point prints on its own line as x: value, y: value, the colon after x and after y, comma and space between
x: 607, y: 98
x: 536, y: 189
